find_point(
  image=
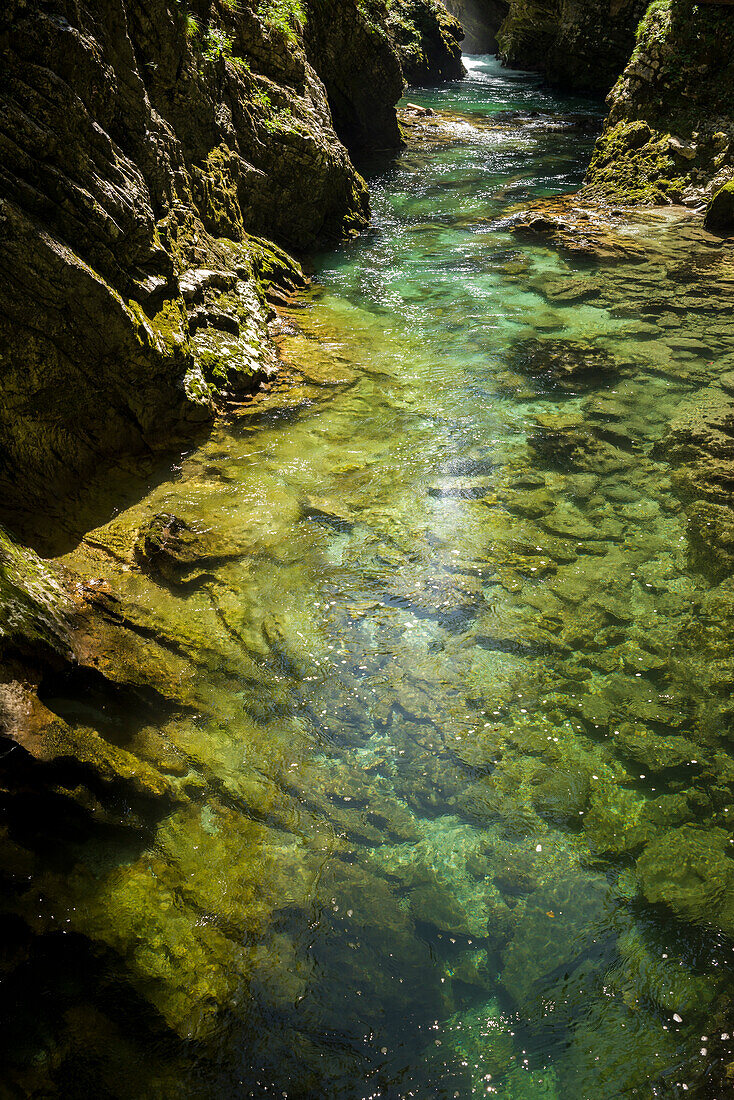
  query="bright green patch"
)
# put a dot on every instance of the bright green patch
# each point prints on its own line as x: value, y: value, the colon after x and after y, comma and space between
x: 284, y: 16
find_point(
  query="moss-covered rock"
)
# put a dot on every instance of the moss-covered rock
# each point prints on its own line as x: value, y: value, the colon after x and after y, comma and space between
x: 669, y: 132
x: 720, y: 211
x: 34, y: 608
x: 164, y: 136
x: 428, y: 40
x: 567, y: 364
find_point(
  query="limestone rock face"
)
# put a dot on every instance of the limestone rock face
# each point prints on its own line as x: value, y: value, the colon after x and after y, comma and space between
x: 347, y: 45
x: 669, y: 135
x: 142, y: 143
x: 576, y: 44
x: 481, y: 19
x: 428, y: 40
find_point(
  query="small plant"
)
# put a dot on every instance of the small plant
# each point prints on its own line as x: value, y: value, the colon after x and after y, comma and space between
x: 217, y: 43
x: 280, y: 120
x: 262, y: 99
x: 283, y: 15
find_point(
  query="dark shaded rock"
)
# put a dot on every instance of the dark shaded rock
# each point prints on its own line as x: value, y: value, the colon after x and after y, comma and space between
x: 359, y: 68
x: 557, y: 928
x: 720, y: 211
x: 579, y: 46
x: 653, y: 753
x: 428, y: 40
x: 169, y: 548
x: 568, y: 364
x: 565, y: 442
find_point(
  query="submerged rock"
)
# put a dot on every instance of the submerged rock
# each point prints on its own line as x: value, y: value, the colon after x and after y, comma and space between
x: 551, y: 938
x: 711, y: 539
x: 167, y: 547
x: 568, y: 364
x: 561, y: 796
x: 580, y: 228
x: 690, y: 871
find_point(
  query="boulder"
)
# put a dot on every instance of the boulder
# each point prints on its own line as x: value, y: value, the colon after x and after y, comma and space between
x: 690, y: 871
x: 720, y: 211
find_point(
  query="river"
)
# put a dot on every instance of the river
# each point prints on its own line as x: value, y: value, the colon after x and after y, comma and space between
x: 425, y: 738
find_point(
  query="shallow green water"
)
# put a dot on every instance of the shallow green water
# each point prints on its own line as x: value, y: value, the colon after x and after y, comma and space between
x: 431, y: 797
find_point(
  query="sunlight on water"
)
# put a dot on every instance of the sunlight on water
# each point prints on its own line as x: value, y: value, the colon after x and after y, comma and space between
x: 440, y: 703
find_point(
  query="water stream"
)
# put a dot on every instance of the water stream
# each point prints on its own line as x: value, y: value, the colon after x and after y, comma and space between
x: 407, y: 762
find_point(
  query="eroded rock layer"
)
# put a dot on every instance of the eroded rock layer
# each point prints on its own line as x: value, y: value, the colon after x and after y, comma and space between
x: 669, y: 134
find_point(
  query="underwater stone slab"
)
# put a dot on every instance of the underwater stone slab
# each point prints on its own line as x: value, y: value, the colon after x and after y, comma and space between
x: 690, y: 871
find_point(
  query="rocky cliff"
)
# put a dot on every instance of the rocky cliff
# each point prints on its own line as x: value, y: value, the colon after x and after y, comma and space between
x: 146, y: 147
x: 578, y: 44
x: 481, y: 19
x: 428, y: 40
x: 670, y: 131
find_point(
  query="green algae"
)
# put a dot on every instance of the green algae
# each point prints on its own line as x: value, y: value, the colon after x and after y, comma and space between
x: 34, y: 608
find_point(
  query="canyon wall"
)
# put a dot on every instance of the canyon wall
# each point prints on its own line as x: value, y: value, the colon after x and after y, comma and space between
x: 146, y: 149
x: 581, y: 45
x: 669, y: 135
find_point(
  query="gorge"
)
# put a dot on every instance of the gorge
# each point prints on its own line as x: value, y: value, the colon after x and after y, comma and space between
x: 368, y: 552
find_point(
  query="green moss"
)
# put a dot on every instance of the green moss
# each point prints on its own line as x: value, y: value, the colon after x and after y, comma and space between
x: 215, y: 189
x: 427, y: 39
x: 669, y: 129
x: 655, y: 21
x: 33, y: 607
x: 171, y: 326
x: 273, y: 267
x: 631, y: 164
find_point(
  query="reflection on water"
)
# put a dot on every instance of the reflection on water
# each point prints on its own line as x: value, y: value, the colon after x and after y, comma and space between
x: 416, y: 783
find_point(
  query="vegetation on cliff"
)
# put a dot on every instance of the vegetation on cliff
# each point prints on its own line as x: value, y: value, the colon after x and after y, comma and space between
x: 428, y: 40
x: 481, y: 19
x: 670, y: 131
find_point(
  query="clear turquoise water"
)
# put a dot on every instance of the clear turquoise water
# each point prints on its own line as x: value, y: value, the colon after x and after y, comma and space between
x: 431, y: 800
